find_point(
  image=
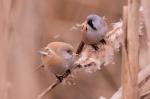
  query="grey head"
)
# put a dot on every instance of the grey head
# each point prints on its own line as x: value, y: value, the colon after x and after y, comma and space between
x: 95, y: 22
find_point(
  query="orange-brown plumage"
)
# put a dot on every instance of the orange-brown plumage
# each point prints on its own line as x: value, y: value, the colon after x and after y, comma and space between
x: 57, y: 57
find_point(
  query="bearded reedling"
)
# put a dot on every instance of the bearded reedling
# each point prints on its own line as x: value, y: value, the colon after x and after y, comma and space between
x: 57, y: 57
x: 94, y: 31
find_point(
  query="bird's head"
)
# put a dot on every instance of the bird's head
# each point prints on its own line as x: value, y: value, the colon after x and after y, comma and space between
x: 94, y: 22
x: 57, y: 52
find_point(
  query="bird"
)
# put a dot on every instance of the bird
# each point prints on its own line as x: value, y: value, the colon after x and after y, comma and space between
x: 57, y: 57
x: 93, y: 32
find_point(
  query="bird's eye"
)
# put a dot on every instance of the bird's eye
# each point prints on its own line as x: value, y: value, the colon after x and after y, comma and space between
x: 69, y: 51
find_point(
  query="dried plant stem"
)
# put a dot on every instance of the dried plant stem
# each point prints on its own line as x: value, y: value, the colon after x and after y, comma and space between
x: 52, y: 86
x: 145, y: 95
x: 80, y: 47
x: 143, y: 74
x: 131, y: 55
x: 144, y: 81
x: 146, y: 12
x: 125, y: 62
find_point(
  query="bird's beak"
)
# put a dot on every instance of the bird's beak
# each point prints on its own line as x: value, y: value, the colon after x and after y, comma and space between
x: 43, y: 51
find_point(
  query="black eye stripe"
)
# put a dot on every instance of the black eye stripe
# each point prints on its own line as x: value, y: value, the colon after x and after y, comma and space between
x: 91, y: 24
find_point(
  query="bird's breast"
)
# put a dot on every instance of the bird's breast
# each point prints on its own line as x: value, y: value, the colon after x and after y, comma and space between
x: 55, y: 65
x: 91, y: 37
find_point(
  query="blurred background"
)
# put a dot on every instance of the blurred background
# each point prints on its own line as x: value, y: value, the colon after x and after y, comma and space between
x: 28, y: 25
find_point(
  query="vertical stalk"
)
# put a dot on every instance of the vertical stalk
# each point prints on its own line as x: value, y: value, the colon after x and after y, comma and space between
x: 125, y: 63
x: 130, y: 60
x: 146, y: 7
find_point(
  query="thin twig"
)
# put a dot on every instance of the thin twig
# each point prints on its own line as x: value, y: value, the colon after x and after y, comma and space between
x: 51, y: 87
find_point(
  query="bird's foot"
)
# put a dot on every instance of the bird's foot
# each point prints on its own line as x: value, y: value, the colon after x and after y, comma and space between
x: 95, y: 47
x: 103, y: 41
x: 80, y: 47
x: 68, y: 72
x: 59, y: 77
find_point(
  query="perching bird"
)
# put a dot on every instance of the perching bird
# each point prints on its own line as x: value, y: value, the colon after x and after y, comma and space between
x: 95, y: 31
x: 57, y: 57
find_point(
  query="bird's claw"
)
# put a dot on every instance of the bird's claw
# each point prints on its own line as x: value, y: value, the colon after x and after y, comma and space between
x: 95, y: 47
x: 103, y: 41
x: 60, y: 78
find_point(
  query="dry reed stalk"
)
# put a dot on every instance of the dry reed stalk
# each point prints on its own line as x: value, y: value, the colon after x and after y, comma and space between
x: 131, y: 59
x: 142, y: 75
x: 125, y: 62
x: 146, y: 12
